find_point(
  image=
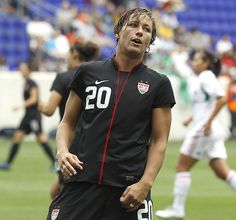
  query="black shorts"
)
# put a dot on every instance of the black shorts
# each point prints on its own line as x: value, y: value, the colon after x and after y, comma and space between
x: 88, y: 201
x: 31, y: 123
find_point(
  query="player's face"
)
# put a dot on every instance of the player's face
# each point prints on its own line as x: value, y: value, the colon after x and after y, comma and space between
x: 72, y: 60
x: 198, y: 64
x: 135, y: 36
x: 24, y: 69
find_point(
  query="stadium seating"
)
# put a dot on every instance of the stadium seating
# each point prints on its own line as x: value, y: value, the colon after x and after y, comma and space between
x: 14, y: 41
x: 213, y: 17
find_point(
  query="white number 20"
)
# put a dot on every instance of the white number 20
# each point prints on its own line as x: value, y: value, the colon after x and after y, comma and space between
x: 97, y: 93
x: 146, y: 210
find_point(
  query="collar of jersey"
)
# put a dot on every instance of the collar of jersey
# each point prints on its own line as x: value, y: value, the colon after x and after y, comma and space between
x: 115, y: 64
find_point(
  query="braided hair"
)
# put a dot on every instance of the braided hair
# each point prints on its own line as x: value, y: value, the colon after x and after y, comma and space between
x: 214, y: 62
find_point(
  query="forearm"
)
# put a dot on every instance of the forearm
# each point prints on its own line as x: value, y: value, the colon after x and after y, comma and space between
x: 136, y: 193
x: 64, y: 137
x: 68, y: 162
x: 49, y: 107
x: 29, y: 102
x: 155, y: 160
x: 65, y: 131
x: 45, y: 109
x: 161, y: 122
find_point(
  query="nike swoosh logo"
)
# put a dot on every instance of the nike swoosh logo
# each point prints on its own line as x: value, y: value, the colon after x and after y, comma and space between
x: 99, y: 82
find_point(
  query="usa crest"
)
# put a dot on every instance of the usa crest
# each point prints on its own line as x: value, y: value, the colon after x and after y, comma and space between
x: 54, y: 214
x: 143, y: 87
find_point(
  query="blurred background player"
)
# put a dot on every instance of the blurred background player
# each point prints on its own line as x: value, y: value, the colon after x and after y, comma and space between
x: 31, y: 121
x: 79, y: 53
x: 231, y: 104
x: 205, y: 140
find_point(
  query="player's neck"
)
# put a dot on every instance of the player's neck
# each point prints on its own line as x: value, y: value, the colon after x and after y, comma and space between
x: 126, y: 63
x: 74, y: 65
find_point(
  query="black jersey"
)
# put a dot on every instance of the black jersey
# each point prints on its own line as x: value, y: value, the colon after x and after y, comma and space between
x: 115, y: 122
x: 31, y: 121
x: 30, y: 84
x: 61, y: 84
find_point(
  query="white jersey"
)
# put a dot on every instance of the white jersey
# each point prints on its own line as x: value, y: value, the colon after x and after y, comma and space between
x: 204, y: 91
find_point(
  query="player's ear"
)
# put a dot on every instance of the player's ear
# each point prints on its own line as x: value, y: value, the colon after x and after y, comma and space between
x: 117, y: 37
x: 76, y: 57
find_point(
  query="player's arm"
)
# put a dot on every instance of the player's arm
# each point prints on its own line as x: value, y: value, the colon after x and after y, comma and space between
x: 49, y: 107
x: 32, y: 100
x: 161, y: 121
x: 187, y: 121
x: 68, y: 162
x: 220, y: 102
x: 136, y: 193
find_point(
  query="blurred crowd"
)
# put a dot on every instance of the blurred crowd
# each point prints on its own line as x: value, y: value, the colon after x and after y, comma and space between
x: 50, y: 40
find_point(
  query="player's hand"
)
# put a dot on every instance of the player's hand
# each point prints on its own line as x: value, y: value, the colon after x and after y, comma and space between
x: 16, y: 108
x: 207, y: 128
x: 133, y: 196
x: 68, y: 164
x: 187, y: 122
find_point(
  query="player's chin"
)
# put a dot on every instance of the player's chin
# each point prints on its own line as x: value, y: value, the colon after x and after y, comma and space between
x: 135, y: 52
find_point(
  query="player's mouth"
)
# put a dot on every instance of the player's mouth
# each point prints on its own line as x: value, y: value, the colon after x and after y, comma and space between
x: 137, y: 41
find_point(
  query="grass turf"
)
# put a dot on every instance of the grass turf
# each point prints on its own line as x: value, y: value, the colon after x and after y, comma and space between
x: 209, y: 197
x: 24, y: 191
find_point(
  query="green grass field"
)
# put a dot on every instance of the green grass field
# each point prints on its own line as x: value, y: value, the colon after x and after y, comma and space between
x: 24, y: 191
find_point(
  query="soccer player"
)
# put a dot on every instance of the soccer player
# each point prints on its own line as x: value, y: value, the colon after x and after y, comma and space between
x: 124, y: 111
x: 31, y: 121
x: 79, y: 53
x: 231, y: 104
x: 205, y: 140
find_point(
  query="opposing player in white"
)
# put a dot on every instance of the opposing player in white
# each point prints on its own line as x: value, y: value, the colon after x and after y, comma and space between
x: 206, y: 139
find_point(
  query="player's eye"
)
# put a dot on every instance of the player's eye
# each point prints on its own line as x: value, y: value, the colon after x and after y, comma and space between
x: 133, y: 24
x: 147, y: 29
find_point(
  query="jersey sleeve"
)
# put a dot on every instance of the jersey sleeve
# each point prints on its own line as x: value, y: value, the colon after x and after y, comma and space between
x: 57, y: 85
x: 32, y: 85
x: 77, y: 84
x: 210, y: 85
x: 165, y: 95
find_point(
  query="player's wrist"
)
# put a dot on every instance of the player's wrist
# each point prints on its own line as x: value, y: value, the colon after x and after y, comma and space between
x: 147, y: 184
x: 62, y: 150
